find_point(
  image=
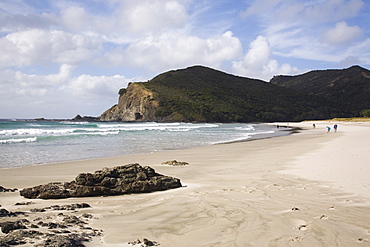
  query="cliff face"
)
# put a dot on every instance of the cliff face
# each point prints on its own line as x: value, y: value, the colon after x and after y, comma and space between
x: 135, y: 103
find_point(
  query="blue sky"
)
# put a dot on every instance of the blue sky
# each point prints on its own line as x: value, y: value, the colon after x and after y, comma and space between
x: 62, y: 58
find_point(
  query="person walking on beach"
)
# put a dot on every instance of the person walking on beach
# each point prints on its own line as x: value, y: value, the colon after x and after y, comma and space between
x: 328, y: 129
x: 335, y: 128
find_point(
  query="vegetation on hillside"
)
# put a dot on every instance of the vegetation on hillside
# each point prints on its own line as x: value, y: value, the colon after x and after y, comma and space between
x: 200, y: 94
x: 346, y: 91
x: 205, y: 95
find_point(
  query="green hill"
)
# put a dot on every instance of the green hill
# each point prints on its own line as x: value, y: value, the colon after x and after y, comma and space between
x: 345, y: 91
x: 201, y: 94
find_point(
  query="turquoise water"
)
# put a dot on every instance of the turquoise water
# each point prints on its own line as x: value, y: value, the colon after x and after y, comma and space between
x: 25, y: 143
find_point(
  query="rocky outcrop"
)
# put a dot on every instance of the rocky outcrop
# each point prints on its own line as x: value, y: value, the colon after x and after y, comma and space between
x: 120, y: 180
x: 35, y: 228
x: 135, y: 103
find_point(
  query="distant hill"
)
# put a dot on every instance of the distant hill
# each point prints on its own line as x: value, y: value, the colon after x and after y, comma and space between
x: 201, y: 94
x: 346, y: 91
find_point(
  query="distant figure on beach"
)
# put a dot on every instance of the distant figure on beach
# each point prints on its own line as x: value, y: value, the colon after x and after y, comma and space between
x: 313, y: 126
x: 335, y: 127
x: 328, y: 129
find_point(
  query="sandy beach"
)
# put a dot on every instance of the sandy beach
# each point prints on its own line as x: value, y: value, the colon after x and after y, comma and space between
x: 307, y: 189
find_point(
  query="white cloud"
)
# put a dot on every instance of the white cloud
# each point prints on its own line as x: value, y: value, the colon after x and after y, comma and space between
x: 171, y: 50
x: 16, y: 22
x: 258, y: 62
x: 342, y: 34
x: 17, y: 86
x: 57, y: 95
x: 331, y: 10
x: 304, y: 29
x: 260, y: 7
x: 349, y: 61
x: 152, y: 16
x: 31, y: 47
x: 75, y: 18
x: 88, y: 86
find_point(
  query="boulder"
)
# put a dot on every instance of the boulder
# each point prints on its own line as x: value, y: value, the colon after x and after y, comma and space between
x: 9, y: 226
x: 132, y: 178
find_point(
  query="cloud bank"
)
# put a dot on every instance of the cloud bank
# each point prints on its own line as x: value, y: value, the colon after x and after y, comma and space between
x: 66, y: 57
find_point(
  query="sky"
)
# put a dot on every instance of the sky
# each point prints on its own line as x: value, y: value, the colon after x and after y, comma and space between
x: 68, y: 57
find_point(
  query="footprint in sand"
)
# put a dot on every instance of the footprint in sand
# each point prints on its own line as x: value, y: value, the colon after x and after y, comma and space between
x: 303, y: 227
x: 331, y: 208
x: 362, y: 240
x: 323, y: 217
x: 297, y: 239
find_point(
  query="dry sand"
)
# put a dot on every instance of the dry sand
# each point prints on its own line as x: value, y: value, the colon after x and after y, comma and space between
x: 307, y: 189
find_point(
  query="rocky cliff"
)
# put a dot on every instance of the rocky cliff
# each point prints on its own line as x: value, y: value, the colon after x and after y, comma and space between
x: 135, y: 103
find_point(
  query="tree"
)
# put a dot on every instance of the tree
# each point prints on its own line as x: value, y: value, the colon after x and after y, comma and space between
x: 365, y: 112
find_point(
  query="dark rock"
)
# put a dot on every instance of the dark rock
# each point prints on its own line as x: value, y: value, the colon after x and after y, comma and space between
x: 23, y: 203
x: 70, y: 240
x: 73, y: 220
x: 85, y: 118
x: 6, y: 213
x: 53, y: 225
x: 85, y: 179
x: 34, y: 210
x: 48, y: 191
x: 145, y: 242
x: 73, y: 206
x: 175, y: 163
x: 87, y: 216
x: 18, y: 237
x: 9, y: 226
x: 131, y: 178
x: 2, y: 189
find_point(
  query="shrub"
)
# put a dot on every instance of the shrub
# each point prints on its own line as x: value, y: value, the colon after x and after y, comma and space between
x: 365, y: 113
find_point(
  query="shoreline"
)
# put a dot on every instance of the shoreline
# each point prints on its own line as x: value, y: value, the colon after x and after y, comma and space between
x: 234, y: 194
x: 118, y: 143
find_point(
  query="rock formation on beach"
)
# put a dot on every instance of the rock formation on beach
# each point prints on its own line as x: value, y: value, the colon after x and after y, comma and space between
x: 120, y: 180
x: 175, y: 163
x: 3, y: 189
x: 48, y: 226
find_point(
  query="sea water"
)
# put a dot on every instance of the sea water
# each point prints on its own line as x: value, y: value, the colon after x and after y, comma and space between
x: 26, y: 143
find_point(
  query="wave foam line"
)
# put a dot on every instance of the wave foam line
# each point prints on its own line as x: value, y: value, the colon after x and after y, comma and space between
x: 8, y: 141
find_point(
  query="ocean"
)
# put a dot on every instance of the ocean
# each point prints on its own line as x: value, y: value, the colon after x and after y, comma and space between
x: 29, y: 143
